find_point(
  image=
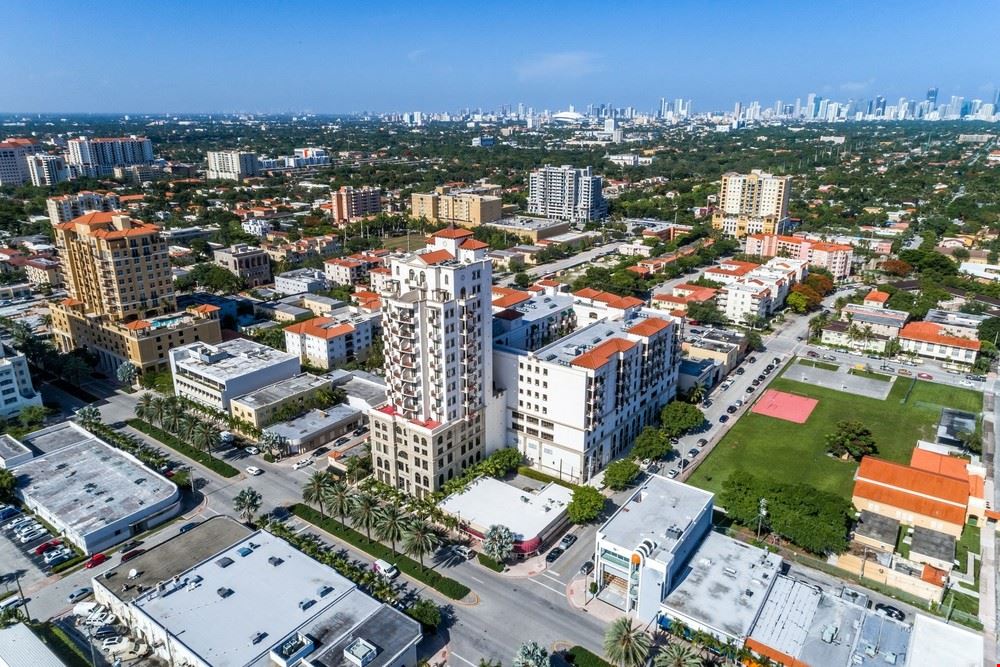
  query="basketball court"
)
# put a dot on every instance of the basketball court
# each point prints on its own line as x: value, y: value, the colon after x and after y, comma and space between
x: 782, y: 405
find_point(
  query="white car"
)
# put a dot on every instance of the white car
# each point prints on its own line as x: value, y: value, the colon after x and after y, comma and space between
x: 302, y: 464
x: 33, y: 535
x: 251, y: 450
x: 57, y: 555
x: 254, y: 470
x: 112, y: 642
x: 966, y: 383
x: 11, y: 603
x: 17, y: 522
x: 28, y: 527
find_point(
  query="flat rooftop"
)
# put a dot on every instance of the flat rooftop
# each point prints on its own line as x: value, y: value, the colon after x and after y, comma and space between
x: 566, y: 349
x: 934, y: 643
x: 313, y: 422
x: 526, y: 223
x: 86, y: 482
x: 931, y: 543
x: 724, y: 584
x: 488, y: 501
x: 881, y: 641
x: 19, y: 647
x: 228, y: 360
x: 662, y: 510
x: 274, y: 393
x: 259, y: 585
x: 385, y: 630
x: 360, y: 386
x: 953, y: 318
x: 877, y: 527
x: 11, y: 448
x: 542, y: 305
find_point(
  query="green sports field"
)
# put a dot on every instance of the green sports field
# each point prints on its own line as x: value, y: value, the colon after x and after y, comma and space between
x: 777, y: 449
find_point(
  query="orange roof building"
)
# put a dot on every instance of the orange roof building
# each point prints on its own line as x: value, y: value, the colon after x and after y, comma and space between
x: 325, y: 342
x: 877, y: 298
x: 928, y: 339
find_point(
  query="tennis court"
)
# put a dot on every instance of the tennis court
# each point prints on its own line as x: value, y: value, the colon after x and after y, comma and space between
x: 782, y: 405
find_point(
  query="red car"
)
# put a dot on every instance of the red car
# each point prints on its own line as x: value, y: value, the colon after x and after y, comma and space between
x: 95, y: 560
x: 46, y: 546
x: 925, y: 376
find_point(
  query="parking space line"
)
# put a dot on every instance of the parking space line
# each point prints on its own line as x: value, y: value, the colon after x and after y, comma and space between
x: 452, y: 653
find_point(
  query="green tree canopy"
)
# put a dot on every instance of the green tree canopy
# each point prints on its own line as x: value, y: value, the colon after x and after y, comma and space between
x: 586, y: 505
x: 620, y: 474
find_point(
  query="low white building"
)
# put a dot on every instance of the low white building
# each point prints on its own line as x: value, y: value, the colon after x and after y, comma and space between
x: 298, y: 281
x: 94, y: 495
x: 16, y: 390
x: 280, y: 607
x: 325, y: 342
x: 258, y: 227
x: 759, y: 291
x: 215, y: 374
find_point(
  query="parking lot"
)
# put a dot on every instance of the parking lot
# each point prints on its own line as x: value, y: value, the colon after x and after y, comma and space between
x: 20, y: 561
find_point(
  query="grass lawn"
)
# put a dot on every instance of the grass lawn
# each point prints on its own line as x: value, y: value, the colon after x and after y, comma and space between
x: 902, y: 548
x: 777, y: 449
x: 417, y: 241
x: 860, y: 372
x: 969, y: 542
x: 818, y: 364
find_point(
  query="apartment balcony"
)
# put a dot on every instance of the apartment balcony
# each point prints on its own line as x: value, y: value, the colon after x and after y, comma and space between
x: 408, y: 361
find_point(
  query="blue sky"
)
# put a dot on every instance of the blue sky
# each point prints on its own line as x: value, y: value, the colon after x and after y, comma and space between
x: 437, y: 55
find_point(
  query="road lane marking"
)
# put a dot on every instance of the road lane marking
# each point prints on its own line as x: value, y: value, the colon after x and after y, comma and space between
x: 475, y: 579
x: 452, y: 653
x: 557, y: 592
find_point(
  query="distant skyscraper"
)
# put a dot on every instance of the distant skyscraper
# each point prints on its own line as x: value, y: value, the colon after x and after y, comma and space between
x: 99, y: 157
x: 879, y: 106
x: 14, y: 154
x: 932, y: 94
x: 231, y: 165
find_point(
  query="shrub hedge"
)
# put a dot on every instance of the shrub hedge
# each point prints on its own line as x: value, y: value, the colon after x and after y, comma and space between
x: 581, y: 657
x: 486, y: 561
x: 205, y: 459
x: 59, y: 642
x: 444, y: 585
x: 67, y: 564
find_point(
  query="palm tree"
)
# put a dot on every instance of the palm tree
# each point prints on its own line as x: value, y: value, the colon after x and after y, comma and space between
x: 626, y: 645
x: 157, y: 410
x: 247, y: 502
x: 697, y: 393
x: 144, y: 406
x: 204, y: 435
x: 364, y: 512
x: 337, y: 498
x: 173, y: 416
x: 419, y: 539
x: 677, y: 655
x: 186, y: 428
x: 88, y: 416
x: 315, y: 490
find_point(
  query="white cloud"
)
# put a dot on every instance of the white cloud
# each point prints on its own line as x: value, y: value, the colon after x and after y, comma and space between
x: 856, y: 86
x: 560, y: 66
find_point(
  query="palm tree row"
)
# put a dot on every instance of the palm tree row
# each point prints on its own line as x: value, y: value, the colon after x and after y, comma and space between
x: 628, y: 645
x: 172, y: 415
x: 390, y: 521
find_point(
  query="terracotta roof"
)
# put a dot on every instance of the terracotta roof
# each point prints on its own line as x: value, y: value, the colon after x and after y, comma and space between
x: 452, y: 233
x: 93, y: 218
x: 909, y: 502
x: 473, y: 244
x: 608, y: 298
x: 436, y: 257
x: 932, y: 575
x: 876, y: 295
x: 928, y: 332
x: 321, y: 327
x: 381, y: 269
x: 913, y: 480
x: 738, y: 268
x: 71, y: 302
x: 137, y: 325
x: 506, y: 297
x: 598, y: 356
x: 349, y: 263
x: 548, y: 283
x: 942, y: 464
x: 695, y: 292
x: 128, y: 198
x: 670, y: 298
x: 649, y: 327
x: 205, y: 308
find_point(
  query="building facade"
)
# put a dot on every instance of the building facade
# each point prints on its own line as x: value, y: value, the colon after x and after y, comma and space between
x: 834, y: 257
x: 16, y: 390
x: 438, y: 366
x: 250, y: 263
x: 566, y: 193
x: 349, y: 204
x: 231, y: 165
x: 99, y: 157
x: 467, y: 206
x: 14, y: 154
x: 326, y: 342
x: 121, y: 303
x: 754, y: 203
x: 67, y: 207
x: 47, y: 170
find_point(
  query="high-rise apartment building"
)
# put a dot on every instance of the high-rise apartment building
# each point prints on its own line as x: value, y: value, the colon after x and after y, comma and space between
x: 14, y: 154
x: 437, y: 336
x: 99, y: 156
x: 469, y: 206
x: 46, y: 170
x: 566, y: 193
x: 754, y: 203
x: 67, y: 207
x: 231, y: 165
x: 349, y: 203
x: 121, y: 303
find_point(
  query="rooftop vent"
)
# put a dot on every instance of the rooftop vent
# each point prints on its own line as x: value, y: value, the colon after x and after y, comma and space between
x: 257, y: 638
x: 360, y: 652
x: 275, y: 561
x: 225, y: 561
x: 324, y: 590
x: 224, y: 592
x: 305, y: 604
x: 729, y: 572
x: 245, y: 551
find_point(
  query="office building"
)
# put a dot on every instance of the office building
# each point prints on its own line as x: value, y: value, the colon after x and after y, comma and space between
x: 231, y: 165
x: 298, y: 281
x: 834, y: 257
x: 566, y: 193
x: 88, y: 490
x: 14, y: 154
x: 249, y: 263
x: 349, y: 203
x: 437, y: 324
x: 454, y: 205
x: 213, y: 375
x: 326, y: 342
x: 47, y: 170
x: 260, y: 407
x: 68, y: 207
x: 353, y: 269
x: 754, y: 203
x: 280, y: 606
x: 99, y: 156
x: 317, y: 427
x: 16, y: 390
x: 576, y: 404
x: 121, y: 303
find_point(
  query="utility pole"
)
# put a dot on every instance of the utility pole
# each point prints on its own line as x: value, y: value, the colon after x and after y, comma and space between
x: 20, y: 593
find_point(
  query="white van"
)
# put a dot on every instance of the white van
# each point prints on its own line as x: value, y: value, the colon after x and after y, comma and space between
x: 387, y: 570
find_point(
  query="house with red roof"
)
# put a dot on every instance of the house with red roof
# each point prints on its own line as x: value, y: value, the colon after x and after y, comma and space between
x: 928, y: 339
x: 325, y: 342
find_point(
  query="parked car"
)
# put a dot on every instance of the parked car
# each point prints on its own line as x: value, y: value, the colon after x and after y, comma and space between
x: 129, y: 555
x: 967, y: 383
x: 8, y: 512
x: 341, y: 441
x: 316, y: 453
x: 33, y: 535
x: 188, y: 526
x: 554, y: 555
x: 567, y: 541
x: 925, y: 376
x: 95, y: 560
x: 21, y: 520
x: 587, y: 567
x: 302, y: 463
x: 723, y: 419
x: 751, y: 389
x: 105, y: 631
x: 112, y: 642
x: 741, y: 371
x: 683, y: 463
x: 707, y: 403
x: 702, y: 442
x: 890, y: 611
x: 128, y: 546
x: 53, y: 558
x: 12, y: 602
x: 253, y: 451
x: 254, y: 471
x: 46, y: 546
x: 463, y: 551
x: 752, y: 360
x: 386, y: 569
x: 732, y: 409
x: 829, y: 357
x: 28, y: 527
x: 903, y: 371
x: 953, y: 371
x: 776, y: 361
x: 812, y: 355
x: 673, y: 473
x: 360, y: 431
x: 79, y: 594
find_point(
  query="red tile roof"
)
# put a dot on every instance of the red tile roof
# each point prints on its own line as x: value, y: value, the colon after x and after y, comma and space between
x: 205, y: 308
x: 913, y: 480
x: 649, y: 327
x: 452, y: 233
x: 942, y: 464
x: 877, y: 296
x: 932, y: 575
x: 473, y: 244
x: 436, y: 257
x: 928, y: 332
x: 137, y: 325
x: 506, y: 297
x: 601, y: 354
x: 321, y: 327
x: 612, y: 300
x: 909, y: 502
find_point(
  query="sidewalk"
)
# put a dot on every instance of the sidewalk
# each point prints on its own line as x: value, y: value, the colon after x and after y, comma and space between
x: 578, y: 594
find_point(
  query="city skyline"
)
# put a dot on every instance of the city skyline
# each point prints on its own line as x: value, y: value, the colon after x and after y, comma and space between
x: 443, y: 57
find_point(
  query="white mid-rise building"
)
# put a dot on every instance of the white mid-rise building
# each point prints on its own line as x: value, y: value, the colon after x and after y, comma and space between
x: 576, y: 404
x: 437, y: 327
x: 47, y: 170
x: 566, y: 193
x: 215, y: 374
x: 758, y: 292
x: 16, y: 390
x: 14, y: 154
x: 231, y: 165
x: 69, y: 207
x: 298, y: 281
x: 325, y: 342
x: 99, y: 156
